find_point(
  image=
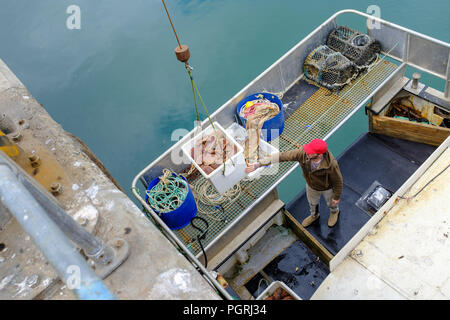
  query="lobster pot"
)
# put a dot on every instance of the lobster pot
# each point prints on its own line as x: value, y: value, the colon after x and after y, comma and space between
x: 358, y: 47
x: 329, y: 68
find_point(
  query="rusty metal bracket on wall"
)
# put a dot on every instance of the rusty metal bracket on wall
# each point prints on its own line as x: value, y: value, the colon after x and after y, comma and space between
x: 103, y: 257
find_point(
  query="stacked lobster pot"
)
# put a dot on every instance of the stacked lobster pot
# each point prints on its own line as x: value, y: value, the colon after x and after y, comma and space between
x: 358, y: 47
x: 329, y: 68
x: 346, y: 54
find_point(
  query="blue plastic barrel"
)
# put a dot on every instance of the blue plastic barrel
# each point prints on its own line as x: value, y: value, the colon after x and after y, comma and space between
x: 272, y: 128
x: 180, y: 217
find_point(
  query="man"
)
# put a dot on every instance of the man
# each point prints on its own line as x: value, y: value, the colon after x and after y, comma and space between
x: 322, y: 175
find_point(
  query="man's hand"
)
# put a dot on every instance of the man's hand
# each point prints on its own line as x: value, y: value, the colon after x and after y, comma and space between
x: 335, y: 202
x: 252, y: 167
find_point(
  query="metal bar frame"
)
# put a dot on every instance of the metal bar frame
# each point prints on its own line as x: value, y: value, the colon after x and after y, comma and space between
x: 47, y: 235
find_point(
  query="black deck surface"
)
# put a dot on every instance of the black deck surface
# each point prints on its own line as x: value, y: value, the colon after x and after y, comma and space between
x: 296, y: 95
x: 299, y: 268
x: 371, y: 157
x: 256, y: 285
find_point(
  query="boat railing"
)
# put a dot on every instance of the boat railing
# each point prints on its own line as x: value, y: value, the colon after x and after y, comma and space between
x: 403, y: 46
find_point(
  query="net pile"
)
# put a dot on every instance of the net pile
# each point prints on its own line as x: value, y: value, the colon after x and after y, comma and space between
x: 358, y: 47
x: 329, y: 68
x: 168, y: 194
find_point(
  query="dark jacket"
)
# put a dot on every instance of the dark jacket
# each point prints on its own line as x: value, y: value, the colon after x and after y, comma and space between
x: 327, y: 176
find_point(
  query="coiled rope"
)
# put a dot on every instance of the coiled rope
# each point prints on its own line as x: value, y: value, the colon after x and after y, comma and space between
x: 206, y: 194
x: 169, y: 193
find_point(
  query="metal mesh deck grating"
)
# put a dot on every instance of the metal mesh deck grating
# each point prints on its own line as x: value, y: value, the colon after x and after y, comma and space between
x: 315, y: 118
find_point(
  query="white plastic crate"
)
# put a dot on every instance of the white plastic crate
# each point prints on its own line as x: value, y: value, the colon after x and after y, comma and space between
x: 275, y: 285
x: 234, y: 167
x: 240, y: 135
x: 264, y: 170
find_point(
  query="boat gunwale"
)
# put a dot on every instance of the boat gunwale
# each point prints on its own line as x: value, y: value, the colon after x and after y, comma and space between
x: 169, y: 233
x: 276, y: 63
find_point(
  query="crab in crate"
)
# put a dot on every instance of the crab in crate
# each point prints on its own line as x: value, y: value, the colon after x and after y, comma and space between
x: 212, y: 150
x: 280, y: 294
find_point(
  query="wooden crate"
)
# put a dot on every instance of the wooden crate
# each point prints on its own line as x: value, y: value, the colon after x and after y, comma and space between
x: 408, y: 130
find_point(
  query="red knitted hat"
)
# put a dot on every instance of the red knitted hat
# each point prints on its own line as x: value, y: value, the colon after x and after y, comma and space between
x: 316, y: 146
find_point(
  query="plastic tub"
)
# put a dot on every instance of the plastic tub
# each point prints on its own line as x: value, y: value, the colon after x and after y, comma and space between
x: 275, y: 285
x: 240, y: 135
x: 272, y: 128
x: 264, y: 170
x: 234, y: 167
x: 180, y: 217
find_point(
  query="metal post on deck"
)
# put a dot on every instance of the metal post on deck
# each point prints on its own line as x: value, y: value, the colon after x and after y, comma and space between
x: 49, y: 238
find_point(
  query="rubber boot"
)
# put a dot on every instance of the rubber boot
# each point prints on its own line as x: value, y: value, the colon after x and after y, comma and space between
x: 311, y: 218
x: 332, y: 220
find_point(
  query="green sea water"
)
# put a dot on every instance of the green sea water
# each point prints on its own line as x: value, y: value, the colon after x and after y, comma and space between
x: 116, y: 84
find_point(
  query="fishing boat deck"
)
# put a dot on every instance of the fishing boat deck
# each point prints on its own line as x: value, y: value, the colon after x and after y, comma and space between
x: 310, y: 112
x: 313, y: 112
x: 283, y: 257
x: 372, y: 157
x: 406, y: 254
